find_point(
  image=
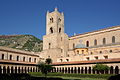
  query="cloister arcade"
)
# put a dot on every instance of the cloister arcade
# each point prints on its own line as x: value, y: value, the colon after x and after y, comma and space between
x: 17, y: 69
x: 85, y: 70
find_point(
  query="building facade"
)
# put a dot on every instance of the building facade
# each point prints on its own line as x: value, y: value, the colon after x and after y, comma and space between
x: 75, y: 54
x: 80, y: 51
x: 17, y: 61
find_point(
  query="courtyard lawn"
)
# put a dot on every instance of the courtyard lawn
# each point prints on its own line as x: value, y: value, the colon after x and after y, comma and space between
x: 74, y: 76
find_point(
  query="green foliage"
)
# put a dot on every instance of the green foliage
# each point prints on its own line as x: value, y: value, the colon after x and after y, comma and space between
x: 100, y: 67
x: 22, y: 42
x: 48, y: 61
x: 45, y: 68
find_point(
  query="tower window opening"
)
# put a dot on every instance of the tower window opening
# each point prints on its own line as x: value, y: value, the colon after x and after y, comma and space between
x: 59, y: 30
x: 51, y: 30
x: 51, y: 20
x: 59, y: 20
x: 49, y: 45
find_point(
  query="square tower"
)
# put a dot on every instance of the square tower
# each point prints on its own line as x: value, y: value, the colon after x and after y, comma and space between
x: 55, y: 42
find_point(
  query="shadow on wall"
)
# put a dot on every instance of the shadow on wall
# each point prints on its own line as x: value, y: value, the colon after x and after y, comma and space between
x: 116, y: 77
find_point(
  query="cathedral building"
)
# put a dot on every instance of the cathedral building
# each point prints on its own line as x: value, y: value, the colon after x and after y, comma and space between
x: 80, y: 52
x: 75, y: 54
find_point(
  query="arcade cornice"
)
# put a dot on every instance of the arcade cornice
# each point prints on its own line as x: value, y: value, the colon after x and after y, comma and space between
x: 117, y: 60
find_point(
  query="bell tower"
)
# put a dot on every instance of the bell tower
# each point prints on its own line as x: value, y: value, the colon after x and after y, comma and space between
x: 54, y: 22
x: 55, y: 42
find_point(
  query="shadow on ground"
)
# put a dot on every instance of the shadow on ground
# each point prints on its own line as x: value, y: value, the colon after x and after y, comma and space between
x: 25, y: 77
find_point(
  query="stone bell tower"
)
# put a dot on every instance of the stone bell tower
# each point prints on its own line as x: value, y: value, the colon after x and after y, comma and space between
x: 55, y: 42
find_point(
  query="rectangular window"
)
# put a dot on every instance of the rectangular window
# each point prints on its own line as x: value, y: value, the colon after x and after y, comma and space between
x: 10, y: 57
x: 29, y: 59
x: 35, y: 60
x: 2, y: 56
x: 23, y: 58
x: 17, y: 58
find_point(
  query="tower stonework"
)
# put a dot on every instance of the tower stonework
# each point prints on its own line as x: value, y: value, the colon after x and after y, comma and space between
x: 55, y: 42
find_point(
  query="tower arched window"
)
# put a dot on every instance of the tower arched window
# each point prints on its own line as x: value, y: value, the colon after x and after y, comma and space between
x: 113, y: 39
x: 51, y: 30
x: 87, y: 43
x: 59, y: 30
x: 59, y: 20
x: 95, y: 42
x: 49, y: 45
x: 104, y: 41
x: 51, y: 20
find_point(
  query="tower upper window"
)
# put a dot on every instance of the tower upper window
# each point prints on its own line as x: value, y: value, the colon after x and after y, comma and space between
x: 49, y: 45
x: 59, y: 30
x: 51, y: 30
x: 59, y: 20
x: 113, y: 39
x: 51, y: 20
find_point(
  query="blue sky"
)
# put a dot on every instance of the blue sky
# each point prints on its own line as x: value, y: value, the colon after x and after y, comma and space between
x: 28, y: 16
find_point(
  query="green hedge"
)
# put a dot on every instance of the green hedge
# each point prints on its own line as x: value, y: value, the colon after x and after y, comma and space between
x: 104, y: 76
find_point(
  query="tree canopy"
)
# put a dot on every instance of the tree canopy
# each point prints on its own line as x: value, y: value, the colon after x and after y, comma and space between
x: 100, y: 67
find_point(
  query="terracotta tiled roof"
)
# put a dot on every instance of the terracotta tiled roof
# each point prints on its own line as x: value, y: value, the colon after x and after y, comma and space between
x: 17, y: 51
x: 88, y: 62
x: 17, y: 62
